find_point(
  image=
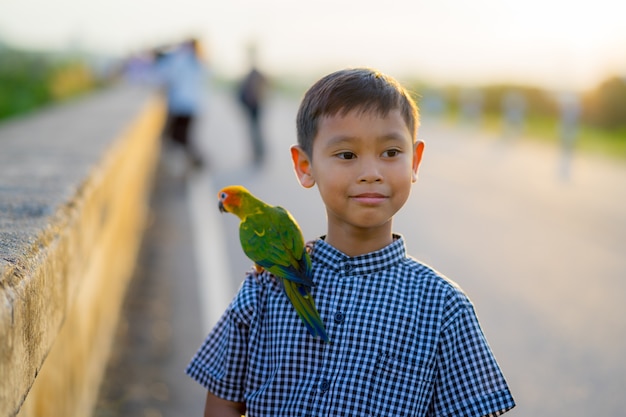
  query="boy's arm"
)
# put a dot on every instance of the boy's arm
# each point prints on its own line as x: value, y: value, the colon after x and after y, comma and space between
x: 218, y: 407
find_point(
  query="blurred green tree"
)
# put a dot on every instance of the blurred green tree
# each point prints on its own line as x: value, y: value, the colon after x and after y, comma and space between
x: 605, y: 106
x: 29, y: 80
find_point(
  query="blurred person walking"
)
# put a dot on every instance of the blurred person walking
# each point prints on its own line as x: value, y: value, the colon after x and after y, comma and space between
x: 514, y: 111
x: 471, y: 101
x: 570, y: 109
x: 183, y: 75
x: 251, y: 94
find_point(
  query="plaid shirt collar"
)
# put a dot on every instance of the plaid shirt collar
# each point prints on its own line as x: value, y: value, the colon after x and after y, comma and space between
x: 335, y: 261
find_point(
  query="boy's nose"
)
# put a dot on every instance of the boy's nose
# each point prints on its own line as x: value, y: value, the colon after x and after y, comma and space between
x: 370, y: 172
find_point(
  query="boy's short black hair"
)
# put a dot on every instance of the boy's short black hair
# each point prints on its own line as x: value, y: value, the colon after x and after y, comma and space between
x: 345, y: 90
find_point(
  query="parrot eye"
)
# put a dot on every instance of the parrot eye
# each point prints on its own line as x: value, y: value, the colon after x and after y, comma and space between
x: 223, y: 196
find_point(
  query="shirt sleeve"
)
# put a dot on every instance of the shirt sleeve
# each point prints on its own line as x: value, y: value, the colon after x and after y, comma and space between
x: 221, y: 362
x: 469, y: 381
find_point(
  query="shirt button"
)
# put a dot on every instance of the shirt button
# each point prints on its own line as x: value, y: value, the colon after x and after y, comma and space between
x: 347, y: 267
x: 324, y: 385
x: 339, y: 317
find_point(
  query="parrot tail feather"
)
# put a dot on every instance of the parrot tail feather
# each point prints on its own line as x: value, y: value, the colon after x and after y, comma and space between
x: 290, y: 273
x: 303, y: 303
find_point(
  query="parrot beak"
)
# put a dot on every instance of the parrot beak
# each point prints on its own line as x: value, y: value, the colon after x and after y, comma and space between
x: 220, y: 205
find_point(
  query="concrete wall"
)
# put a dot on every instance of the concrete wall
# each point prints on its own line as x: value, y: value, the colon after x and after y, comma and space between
x: 74, y: 188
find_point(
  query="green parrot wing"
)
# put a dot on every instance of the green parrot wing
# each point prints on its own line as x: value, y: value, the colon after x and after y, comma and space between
x: 272, y: 238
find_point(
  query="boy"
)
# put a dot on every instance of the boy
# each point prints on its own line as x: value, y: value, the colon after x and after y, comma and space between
x: 405, y: 340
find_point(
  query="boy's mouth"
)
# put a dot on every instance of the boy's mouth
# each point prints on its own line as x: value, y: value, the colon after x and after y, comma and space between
x: 369, y: 198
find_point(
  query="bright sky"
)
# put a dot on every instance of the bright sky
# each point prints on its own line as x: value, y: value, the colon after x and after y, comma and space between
x: 555, y: 43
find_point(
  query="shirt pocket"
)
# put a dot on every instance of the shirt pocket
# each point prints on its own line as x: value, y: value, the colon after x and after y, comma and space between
x: 400, y: 387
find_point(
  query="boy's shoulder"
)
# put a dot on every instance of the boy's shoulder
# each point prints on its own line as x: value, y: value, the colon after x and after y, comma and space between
x: 429, y: 290
x: 257, y: 284
x: 422, y: 275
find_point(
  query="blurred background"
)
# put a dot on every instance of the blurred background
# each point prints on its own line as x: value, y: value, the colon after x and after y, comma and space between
x: 537, y: 48
x: 522, y: 192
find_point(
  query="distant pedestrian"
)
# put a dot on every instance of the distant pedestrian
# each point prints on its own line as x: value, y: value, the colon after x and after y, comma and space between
x: 570, y: 109
x: 404, y: 339
x: 472, y: 101
x: 251, y: 94
x: 514, y: 111
x: 137, y: 68
x: 183, y: 76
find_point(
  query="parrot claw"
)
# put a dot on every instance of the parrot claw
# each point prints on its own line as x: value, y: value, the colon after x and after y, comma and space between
x: 256, y: 271
x: 309, y: 246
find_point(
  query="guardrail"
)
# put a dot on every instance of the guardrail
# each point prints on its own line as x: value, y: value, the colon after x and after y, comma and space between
x: 74, y: 186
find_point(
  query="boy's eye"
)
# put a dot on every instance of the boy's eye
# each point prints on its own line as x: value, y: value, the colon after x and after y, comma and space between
x: 391, y: 153
x: 346, y: 155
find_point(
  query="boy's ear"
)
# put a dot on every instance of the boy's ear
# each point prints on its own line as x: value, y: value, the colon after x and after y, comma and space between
x: 302, y: 166
x: 418, y: 150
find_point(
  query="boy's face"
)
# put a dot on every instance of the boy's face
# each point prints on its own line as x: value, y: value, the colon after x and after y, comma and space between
x: 364, y: 165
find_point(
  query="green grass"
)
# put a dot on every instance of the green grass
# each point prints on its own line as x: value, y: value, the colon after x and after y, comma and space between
x: 592, y: 140
x: 609, y: 143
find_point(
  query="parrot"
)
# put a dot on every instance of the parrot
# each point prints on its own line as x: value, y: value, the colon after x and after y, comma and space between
x: 273, y: 240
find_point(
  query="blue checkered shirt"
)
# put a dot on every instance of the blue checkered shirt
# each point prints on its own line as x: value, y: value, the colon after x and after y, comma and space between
x: 405, y: 342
